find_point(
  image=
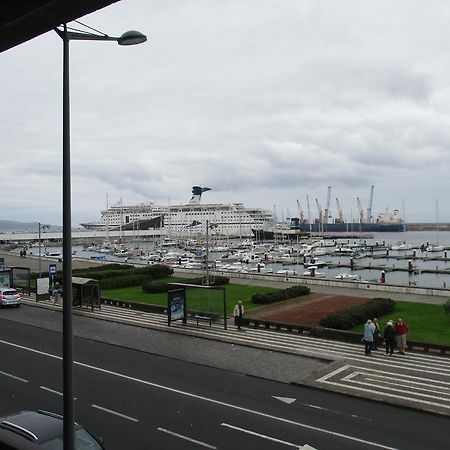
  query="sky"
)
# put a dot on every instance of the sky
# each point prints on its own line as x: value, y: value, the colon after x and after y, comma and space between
x: 264, y: 101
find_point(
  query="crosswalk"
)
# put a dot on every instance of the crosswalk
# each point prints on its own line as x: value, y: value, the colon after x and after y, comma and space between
x: 417, y: 380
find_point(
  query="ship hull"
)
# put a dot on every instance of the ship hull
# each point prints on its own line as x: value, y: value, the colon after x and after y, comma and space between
x: 329, y: 228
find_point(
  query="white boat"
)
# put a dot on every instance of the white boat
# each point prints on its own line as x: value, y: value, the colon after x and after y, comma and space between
x: 55, y: 255
x: 435, y: 248
x: 224, y: 219
x: 401, y: 246
x: 346, y: 276
x: 312, y: 272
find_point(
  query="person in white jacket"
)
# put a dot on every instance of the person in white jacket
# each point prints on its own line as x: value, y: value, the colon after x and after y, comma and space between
x: 238, y: 313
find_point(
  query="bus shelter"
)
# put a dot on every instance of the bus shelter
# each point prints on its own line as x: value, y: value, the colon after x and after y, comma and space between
x: 85, y: 292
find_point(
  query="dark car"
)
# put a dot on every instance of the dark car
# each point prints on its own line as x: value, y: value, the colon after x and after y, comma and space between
x: 41, y: 430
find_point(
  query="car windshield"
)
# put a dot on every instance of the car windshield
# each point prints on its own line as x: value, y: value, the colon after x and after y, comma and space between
x: 83, y: 441
x: 10, y: 292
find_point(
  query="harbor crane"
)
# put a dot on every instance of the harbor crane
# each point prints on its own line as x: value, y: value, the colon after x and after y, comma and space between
x: 327, y: 207
x: 319, y: 210
x: 361, y: 211
x: 340, y: 218
x: 301, y: 215
x: 309, y: 213
x: 369, y: 208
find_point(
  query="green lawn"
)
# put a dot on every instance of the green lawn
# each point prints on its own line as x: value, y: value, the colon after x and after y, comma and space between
x: 198, y: 300
x: 427, y: 323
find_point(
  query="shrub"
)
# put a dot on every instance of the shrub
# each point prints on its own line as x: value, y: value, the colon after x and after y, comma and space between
x: 121, y: 282
x: 277, y: 296
x: 349, y: 318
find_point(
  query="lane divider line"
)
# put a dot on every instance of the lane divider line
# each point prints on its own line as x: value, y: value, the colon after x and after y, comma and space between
x: 186, y: 438
x: 14, y: 377
x: 110, y: 411
x: 263, y: 436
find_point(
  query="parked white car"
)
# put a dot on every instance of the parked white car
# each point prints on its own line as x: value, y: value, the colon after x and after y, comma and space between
x: 9, y: 296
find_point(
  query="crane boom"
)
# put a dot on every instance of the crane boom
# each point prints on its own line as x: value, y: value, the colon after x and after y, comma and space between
x: 340, y: 218
x: 361, y: 211
x: 301, y: 215
x: 319, y: 210
x: 327, y: 207
x: 369, y: 208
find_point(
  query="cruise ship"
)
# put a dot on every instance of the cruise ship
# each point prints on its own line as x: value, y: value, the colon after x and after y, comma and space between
x: 192, y: 218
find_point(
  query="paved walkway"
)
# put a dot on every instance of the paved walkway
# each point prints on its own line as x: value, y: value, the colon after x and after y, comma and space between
x: 420, y: 381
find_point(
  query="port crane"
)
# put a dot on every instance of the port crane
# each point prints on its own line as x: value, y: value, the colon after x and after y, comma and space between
x: 319, y: 210
x: 369, y: 208
x: 327, y: 207
x: 301, y: 215
x: 361, y: 211
x: 340, y: 218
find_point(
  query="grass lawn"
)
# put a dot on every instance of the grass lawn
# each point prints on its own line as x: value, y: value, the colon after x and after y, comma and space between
x: 198, y: 300
x: 427, y: 323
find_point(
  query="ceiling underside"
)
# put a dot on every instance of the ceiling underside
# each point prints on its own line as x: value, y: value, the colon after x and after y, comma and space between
x: 22, y: 20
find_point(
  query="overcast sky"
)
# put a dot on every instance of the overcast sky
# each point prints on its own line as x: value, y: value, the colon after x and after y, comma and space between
x: 264, y: 101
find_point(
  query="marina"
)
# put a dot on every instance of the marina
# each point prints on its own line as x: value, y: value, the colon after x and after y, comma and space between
x: 405, y: 263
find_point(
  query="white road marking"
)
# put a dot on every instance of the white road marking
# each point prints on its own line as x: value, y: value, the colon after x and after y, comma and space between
x: 335, y: 372
x: 13, y: 377
x: 51, y: 390
x: 206, y: 399
x: 186, y: 438
x: 110, y: 411
x: 264, y: 436
x: 285, y: 399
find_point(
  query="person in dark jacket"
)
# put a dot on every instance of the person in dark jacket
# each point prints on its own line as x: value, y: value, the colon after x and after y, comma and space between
x: 389, y: 337
x: 376, y: 333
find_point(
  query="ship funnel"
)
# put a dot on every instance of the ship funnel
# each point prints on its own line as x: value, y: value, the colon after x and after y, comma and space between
x: 197, y: 192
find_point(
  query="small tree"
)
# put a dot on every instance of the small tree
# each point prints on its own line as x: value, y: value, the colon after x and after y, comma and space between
x: 447, y: 307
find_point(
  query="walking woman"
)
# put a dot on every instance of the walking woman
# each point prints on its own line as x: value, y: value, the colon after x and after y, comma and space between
x: 238, y: 313
x: 389, y: 337
x: 368, y: 337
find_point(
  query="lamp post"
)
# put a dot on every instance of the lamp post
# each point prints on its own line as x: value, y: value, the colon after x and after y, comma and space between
x: 128, y: 38
x: 39, y: 240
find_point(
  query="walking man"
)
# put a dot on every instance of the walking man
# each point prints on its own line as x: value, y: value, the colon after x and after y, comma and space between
x: 376, y: 333
x: 238, y: 313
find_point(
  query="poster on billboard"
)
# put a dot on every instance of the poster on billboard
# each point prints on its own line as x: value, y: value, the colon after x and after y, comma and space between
x: 42, y: 289
x: 176, y: 305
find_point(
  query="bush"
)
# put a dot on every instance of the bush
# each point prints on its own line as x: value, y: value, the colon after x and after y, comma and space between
x: 357, y: 315
x: 121, y: 282
x: 277, y: 296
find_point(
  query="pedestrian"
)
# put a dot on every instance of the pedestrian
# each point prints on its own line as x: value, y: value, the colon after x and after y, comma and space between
x: 389, y: 337
x: 376, y: 333
x: 238, y: 313
x: 368, y: 337
x: 56, y: 293
x: 401, y: 330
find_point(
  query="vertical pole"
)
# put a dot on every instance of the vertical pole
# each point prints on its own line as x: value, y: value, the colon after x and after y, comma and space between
x: 224, y: 308
x: 68, y: 426
x: 39, y: 239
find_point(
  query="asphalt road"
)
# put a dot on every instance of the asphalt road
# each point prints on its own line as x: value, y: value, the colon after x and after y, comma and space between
x: 137, y: 400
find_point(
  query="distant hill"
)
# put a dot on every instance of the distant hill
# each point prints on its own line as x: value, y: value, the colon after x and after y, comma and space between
x: 11, y: 225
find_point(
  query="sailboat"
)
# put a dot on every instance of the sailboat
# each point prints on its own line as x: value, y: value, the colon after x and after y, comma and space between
x: 436, y: 247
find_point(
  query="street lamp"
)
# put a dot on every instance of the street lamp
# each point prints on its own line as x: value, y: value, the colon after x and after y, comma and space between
x: 43, y: 227
x: 128, y: 38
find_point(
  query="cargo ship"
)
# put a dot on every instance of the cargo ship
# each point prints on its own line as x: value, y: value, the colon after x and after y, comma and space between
x: 295, y: 228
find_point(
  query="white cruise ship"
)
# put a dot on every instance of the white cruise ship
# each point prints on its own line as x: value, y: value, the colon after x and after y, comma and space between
x: 224, y: 219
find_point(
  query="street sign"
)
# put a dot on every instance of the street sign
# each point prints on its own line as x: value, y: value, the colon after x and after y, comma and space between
x: 52, y: 270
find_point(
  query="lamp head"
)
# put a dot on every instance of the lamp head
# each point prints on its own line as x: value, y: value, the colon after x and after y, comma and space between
x: 131, y: 38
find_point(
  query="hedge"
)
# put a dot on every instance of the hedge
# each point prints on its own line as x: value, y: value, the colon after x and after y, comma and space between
x: 278, y: 296
x: 349, y: 318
